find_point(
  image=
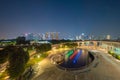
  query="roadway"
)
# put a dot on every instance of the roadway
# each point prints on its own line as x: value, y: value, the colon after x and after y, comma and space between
x: 106, y: 69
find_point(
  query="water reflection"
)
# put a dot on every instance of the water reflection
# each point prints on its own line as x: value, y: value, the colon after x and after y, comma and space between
x: 78, y: 58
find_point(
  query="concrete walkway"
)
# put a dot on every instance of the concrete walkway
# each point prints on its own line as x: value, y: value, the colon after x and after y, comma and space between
x: 106, y: 69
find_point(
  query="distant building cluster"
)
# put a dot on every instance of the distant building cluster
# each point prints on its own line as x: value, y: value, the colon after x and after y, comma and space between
x: 42, y: 36
x: 83, y: 36
x: 57, y: 36
x: 65, y: 36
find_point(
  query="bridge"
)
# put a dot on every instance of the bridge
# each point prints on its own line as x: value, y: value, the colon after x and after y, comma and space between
x: 105, y: 45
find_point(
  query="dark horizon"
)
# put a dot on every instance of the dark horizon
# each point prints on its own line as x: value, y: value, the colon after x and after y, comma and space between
x: 96, y: 17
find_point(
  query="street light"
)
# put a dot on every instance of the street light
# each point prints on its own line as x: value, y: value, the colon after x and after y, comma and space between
x: 38, y: 56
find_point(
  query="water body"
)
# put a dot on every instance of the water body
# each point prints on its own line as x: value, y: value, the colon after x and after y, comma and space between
x: 77, y: 60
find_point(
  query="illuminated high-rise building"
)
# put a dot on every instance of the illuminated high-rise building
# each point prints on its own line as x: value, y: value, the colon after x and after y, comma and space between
x: 43, y: 36
x: 52, y: 35
x: 77, y: 37
x: 46, y: 35
x: 80, y: 37
x: 29, y: 36
x: 57, y: 37
x: 108, y: 37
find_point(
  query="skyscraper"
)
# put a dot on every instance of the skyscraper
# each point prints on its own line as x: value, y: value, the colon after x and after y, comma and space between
x: 57, y: 36
x: 108, y: 37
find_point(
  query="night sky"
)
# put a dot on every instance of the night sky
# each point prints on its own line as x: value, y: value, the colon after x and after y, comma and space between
x: 96, y: 17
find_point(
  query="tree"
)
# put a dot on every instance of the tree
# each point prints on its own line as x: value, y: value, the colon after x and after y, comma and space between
x: 22, y: 40
x: 3, y: 56
x: 5, y: 53
x: 17, y: 61
x: 70, y: 45
x: 43, y: 47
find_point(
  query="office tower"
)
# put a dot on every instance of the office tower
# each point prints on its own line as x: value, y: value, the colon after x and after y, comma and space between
x: 108, y: 37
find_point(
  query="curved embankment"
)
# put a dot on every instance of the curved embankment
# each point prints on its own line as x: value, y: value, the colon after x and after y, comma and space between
x: 78, y: 60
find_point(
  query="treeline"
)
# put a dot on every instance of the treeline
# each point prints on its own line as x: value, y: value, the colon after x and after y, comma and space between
x: 43, y: 47
x: 70, y: 45
x: 117, y: 56
x: 61, y: 41
x: 17, y: 59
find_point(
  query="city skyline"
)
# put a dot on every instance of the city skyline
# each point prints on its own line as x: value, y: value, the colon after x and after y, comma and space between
x: 93, y: 17
x: 60, y: 36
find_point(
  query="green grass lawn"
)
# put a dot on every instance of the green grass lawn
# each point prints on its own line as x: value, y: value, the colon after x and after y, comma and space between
x: 36, y: 59
x: 3, y: 75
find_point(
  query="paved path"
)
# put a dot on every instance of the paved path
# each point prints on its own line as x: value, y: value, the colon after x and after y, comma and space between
x: 106, y: 69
